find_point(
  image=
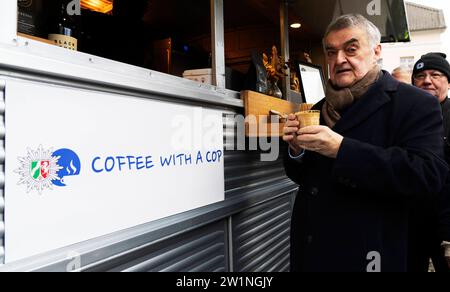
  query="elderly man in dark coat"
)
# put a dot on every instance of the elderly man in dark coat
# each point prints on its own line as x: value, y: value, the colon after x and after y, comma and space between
x: 379, y: 147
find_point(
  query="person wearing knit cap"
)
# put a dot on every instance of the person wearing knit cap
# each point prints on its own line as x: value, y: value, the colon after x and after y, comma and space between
x: 432, y: 74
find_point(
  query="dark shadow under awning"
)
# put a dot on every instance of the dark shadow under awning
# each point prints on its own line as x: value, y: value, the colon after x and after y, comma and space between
x: 388, y: 15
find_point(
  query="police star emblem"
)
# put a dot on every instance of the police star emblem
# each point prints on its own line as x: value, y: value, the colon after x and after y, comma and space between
x: 38, y: 169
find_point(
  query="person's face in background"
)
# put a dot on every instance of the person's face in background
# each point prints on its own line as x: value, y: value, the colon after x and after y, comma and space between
x: 349, y: 56
x: 434, y: 82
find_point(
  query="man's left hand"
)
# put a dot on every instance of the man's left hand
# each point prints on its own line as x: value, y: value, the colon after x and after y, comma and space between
x: 320, y: 139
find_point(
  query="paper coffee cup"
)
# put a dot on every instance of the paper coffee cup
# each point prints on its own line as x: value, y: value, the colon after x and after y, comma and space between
x: 308, y: 118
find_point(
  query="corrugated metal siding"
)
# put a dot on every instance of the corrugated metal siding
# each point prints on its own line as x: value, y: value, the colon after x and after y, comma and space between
x: 260, y: 234
x: 245, y: 173
x: 203, y: 249
x: 261, y: 237
x: 422, y: 17
x: 2, y: 169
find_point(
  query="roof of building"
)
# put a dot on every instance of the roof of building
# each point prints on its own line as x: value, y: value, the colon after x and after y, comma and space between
x: 422, y: 17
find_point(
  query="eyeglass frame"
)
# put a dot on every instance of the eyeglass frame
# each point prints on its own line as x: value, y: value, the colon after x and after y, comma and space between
x: 436, y: 75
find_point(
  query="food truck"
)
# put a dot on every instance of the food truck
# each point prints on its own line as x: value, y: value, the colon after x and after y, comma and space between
x: 112, y: 161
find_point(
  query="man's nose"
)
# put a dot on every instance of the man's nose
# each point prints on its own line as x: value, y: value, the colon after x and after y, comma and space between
x: 341, y: 58
x: 427, y: 79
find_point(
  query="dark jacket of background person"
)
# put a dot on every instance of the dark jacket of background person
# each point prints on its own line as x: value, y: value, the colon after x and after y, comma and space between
x: 443, y: 205
x: 445, y: 211
x: 443, y: 232
x: 432, y: 227
x: 446, y: 114
x: 436, y: 225
x: 359, y: 202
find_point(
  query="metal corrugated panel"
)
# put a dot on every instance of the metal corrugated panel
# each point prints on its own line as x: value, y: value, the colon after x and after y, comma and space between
x: 261, y: 237
x: 2, y: 169
x: 245, y: 173
x: 422, y: 17
x: 203, y: 249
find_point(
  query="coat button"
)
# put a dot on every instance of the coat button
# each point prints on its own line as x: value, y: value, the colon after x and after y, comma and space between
x: 313, y: 192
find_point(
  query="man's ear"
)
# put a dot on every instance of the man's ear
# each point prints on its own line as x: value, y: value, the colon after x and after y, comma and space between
x: 377, y: 50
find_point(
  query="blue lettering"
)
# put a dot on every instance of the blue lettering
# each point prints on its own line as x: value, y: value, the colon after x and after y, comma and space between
x: 119, y: 163
x: 165, y: 162
x: 179, y: 156
x: 139, y: 162
x: 188, y: 159
x: 119, y: 159
x: 208, y: 156
x: 219, y: 153
x: 93, y: 165
x: 182, y: 159
x: 109, y: 169
x: 131, y: 162
x: 199, y: 157
x: 213, y: 156
x: 148, y: 162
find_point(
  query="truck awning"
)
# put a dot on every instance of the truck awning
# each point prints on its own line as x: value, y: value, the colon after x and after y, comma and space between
x: 388, y: 15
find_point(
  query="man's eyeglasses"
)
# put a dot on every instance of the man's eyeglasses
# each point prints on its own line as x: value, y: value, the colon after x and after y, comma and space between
x: 423, y: 76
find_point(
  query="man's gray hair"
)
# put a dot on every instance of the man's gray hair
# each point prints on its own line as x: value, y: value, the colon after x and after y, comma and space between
x: 356, y: 20
x: 402, y: 70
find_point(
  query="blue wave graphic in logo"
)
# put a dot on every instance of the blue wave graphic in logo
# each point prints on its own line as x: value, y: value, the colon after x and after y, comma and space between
x: 70, y: 163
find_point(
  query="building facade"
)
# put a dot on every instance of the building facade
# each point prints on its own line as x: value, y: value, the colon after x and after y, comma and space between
x: 427, y: 26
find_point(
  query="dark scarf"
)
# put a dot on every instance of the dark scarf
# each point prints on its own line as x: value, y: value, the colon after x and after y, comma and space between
x: 339, y: 99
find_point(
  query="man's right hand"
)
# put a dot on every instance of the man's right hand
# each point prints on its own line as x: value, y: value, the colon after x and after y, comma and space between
x: 290, y: 134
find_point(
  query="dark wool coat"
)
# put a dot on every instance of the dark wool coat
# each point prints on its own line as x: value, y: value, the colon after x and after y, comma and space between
x: 357, y: 207
x: 443, y: 206
x: 432, y: 219
x: 446, y: 114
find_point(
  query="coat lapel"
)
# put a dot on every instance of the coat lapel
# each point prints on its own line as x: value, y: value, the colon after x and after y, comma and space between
x: 374, y: 99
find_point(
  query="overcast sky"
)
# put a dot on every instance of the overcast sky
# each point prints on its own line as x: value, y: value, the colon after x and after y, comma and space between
x: 440, y: 4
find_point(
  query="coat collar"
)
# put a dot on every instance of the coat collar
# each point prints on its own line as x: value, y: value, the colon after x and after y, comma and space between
x: 446, y: 106
x: 375, y: 98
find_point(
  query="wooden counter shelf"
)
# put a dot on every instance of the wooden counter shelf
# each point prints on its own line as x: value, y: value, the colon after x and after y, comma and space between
x: 35, y: 38
x: 258, y: 115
